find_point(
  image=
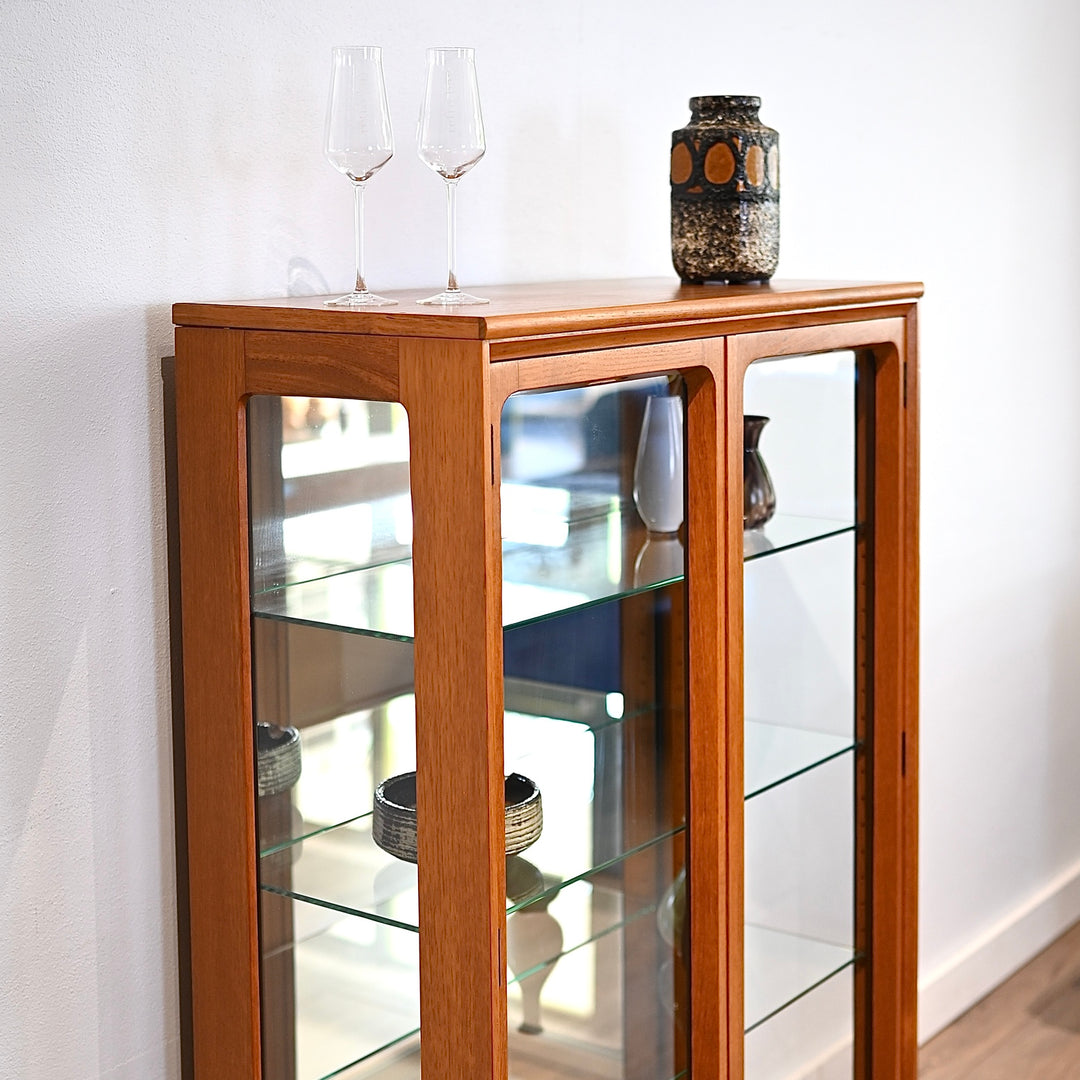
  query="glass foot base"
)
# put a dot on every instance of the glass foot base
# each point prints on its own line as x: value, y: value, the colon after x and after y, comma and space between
x: 453, y: 296
x: 359, y: 299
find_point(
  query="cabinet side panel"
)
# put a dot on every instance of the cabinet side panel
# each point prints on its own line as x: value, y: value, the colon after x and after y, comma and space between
x: 217, y: 702
x: 909, y: 976
x: 457, y: 567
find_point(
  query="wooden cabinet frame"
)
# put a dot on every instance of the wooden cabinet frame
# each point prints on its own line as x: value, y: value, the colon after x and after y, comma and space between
x: 453, y: 372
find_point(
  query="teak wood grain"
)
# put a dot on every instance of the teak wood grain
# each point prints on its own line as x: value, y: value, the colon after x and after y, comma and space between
x: 457, y: 589
x: 715, y: 760
x: 218, y: 734
x: 453, y: 372
x: 518, y: 311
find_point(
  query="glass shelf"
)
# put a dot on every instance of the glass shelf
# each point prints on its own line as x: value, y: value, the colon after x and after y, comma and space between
x: 577, y: 564
x: 775, y: 753
x: 378, y: 531
x: 781, y: 968
x: 340, y: 867
x: 344, y: 870
x: 356, y: 987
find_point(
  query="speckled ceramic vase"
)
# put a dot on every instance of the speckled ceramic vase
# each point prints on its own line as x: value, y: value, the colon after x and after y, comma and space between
x: 725, y: 193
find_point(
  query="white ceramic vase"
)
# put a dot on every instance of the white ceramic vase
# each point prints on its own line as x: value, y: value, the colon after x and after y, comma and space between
x: 658, y: 471
x: 533, y: 937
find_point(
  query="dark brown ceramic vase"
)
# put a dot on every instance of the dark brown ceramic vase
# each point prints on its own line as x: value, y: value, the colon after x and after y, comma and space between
x: 725, y: 193
x: 759, y: 497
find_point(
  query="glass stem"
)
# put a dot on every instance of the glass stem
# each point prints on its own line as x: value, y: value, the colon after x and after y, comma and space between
x: 451, y: 235
x: 358, y: 232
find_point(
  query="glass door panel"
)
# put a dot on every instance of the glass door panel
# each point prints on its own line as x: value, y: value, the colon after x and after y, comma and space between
x: 354, y: 988
x: 594, y: 607
x: 339, y: 987
x: 803, y: 729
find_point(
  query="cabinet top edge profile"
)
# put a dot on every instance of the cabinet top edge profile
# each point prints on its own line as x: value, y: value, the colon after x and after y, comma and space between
x: 549, y: 308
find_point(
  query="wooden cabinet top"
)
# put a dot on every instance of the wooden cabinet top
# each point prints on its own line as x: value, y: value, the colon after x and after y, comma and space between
x: 556, y: 308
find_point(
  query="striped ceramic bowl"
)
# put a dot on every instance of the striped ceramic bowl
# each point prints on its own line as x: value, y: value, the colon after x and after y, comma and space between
x: 393, y: 825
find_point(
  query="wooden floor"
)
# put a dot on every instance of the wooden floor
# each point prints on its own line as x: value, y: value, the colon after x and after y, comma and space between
x: 1027, y: 1029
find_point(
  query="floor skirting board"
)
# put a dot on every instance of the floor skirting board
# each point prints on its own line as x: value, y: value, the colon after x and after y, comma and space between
x: 954, y: 986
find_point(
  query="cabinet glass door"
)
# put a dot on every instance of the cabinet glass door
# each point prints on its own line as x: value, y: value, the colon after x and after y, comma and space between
x: 333, y: 679
x: 595, y: 691
x: 803, y: 723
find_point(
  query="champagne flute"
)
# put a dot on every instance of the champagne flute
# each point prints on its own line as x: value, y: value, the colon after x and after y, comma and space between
x: 358, y: 143
x: 450, y: 140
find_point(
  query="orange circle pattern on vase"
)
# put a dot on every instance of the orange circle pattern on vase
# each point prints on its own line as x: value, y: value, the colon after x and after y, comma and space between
x: 719, y: 163
x: 682, y: 163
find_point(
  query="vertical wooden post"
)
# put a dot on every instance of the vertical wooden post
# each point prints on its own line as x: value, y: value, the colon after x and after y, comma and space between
x: 270, y: 686
x: 218, y: 734
x: 866, y: 363
x: 715, y: 764
x: 887, y: 948
x: 457, y: 568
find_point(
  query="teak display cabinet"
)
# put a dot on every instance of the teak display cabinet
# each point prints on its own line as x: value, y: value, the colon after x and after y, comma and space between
x: 542, y: 618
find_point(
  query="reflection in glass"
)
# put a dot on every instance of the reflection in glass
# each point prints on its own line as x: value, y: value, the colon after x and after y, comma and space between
x: 660, y: 559
x: 329, y: 482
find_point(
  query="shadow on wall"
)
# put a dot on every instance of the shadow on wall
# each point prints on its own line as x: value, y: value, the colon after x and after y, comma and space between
x: 305, y: 279
x: 160, y: 348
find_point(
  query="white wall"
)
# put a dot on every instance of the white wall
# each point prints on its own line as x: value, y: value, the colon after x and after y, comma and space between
x: 153, y: 153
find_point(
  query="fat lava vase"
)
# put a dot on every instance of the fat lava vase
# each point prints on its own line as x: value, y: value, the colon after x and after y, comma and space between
x: 725, y: 193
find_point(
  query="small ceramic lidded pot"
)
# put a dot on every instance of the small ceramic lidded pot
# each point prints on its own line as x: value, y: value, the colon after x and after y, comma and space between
x: 725, y: 193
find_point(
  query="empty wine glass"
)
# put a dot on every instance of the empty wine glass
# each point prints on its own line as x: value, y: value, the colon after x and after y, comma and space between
x: 450, y: 140
x: 358, y: 143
